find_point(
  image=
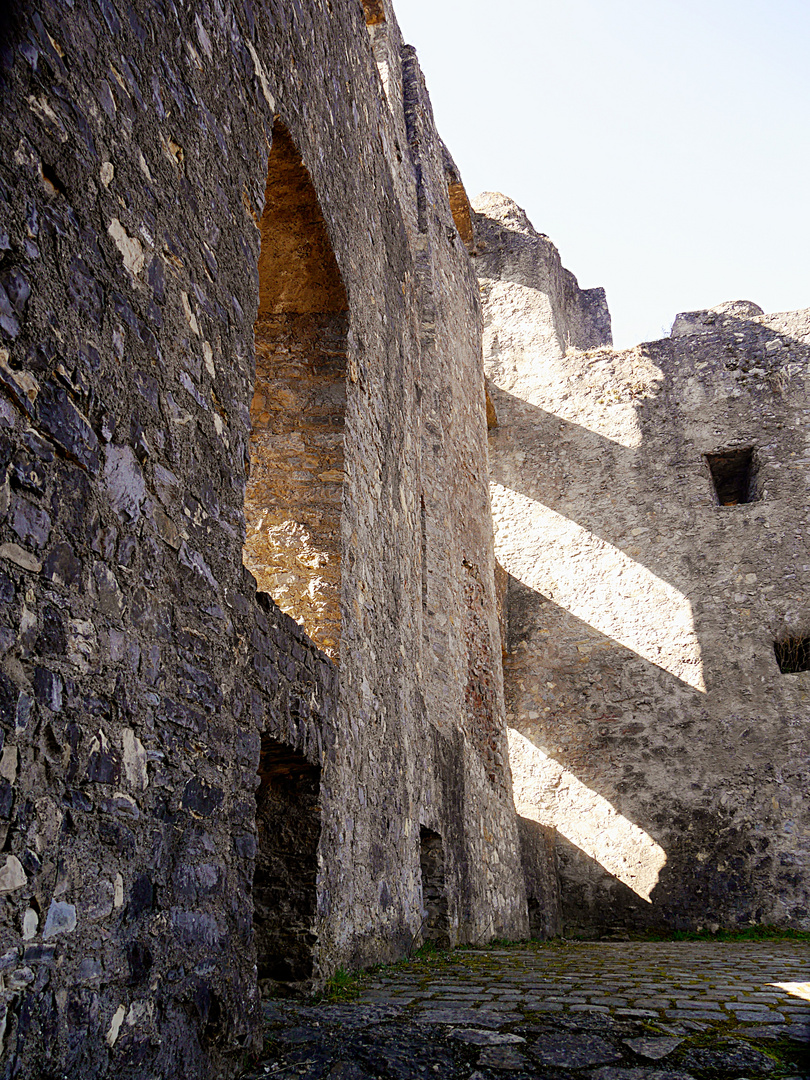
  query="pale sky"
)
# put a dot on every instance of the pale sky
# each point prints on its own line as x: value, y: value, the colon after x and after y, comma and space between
x: 662, y: 145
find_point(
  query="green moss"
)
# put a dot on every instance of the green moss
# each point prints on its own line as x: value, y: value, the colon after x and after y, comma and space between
x: 746, y: 933
x: 789, y: 1057
x: 343, y: 986
x: 743, y: 933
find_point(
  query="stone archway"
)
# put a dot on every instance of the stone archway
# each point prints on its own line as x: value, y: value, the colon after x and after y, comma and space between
x: 294, y: 492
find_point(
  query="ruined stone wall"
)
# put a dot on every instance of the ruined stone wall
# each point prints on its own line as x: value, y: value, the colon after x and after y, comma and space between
x: 651, y: 724
x: 149, y: 699
x: 294, y: 496
x: 460, y: 656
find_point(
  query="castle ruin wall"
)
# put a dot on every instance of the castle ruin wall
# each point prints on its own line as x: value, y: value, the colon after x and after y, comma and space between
x: 650, y: 721
x: 156, y: 713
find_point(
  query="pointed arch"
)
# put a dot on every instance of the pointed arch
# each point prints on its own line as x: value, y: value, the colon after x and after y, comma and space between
x: 294, y: 493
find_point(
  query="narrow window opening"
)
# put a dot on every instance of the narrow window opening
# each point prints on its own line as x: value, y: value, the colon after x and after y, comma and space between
x: 423, y: 524
x: 294, y: 493
x: 460, y: 209
x: 435, y: 914
x: 793, y: 654
x: 733, y: 475
x: 288, y: 822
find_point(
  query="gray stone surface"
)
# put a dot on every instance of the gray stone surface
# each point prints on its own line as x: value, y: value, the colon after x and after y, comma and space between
x: 574, y: 1050
x: 613, y: 1073
x: 146, y: 687
x: 505, y: 1058
x: 651, y: 725
x: 606, y: 1045
x: 61, y: 919
x: 653, y: 1047
x: 479, y: 1037
x: 431, y: 1013
x: 732, y: 1057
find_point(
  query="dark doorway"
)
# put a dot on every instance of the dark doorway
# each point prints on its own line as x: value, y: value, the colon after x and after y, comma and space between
x: 288, y: 820
x: 435, y: 915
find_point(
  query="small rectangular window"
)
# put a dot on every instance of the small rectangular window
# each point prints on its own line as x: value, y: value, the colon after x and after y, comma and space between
x: 793, y: 654
x: 734, y: 475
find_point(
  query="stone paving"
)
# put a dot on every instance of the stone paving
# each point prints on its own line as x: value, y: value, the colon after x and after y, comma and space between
x: 602, y: 1011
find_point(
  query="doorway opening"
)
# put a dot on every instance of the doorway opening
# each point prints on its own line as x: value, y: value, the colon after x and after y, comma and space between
x: 288, y: 820
x: 435, y: 913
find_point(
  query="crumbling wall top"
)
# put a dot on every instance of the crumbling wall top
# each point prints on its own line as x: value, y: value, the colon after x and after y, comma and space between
x: 710, y: 320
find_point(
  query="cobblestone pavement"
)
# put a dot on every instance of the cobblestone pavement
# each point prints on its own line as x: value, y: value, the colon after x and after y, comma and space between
x: 606, y: 1011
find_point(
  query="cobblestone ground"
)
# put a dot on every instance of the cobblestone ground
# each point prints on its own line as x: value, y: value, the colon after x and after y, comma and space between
x: 606, y: 1011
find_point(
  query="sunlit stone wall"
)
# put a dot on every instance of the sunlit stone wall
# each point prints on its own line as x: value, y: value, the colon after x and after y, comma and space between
x: 651, y: 725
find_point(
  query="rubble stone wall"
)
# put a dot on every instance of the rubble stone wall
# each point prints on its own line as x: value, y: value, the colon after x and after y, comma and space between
x: 145, y: 689
x: 459, y: 640
x: 650, y: 722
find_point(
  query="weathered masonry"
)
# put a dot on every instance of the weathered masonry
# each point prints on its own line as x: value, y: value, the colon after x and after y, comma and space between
x: 651, y: 511
x: 238, y: 327
x: 252, y: 698
x: 294, y: 492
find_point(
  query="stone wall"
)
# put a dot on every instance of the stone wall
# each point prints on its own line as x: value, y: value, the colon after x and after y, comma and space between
x: 651, y: 724
x: 294, y: 493
x: 149, y: 697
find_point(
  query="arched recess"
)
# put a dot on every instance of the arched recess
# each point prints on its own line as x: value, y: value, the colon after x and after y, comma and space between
x: 288, y: 821
x: 294, y: 493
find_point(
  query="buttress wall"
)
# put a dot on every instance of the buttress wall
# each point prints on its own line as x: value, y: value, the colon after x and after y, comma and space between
x: 153, y: 708
x: 651, y: 724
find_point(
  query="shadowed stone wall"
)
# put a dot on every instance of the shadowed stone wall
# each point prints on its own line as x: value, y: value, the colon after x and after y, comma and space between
x: 148, y: 696
x: 651, y: 724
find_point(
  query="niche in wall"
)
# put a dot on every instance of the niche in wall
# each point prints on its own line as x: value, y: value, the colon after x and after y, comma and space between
x: 793, y: 654
x: 294, y: 493
x: 733, y: 475
x: 435, y: 915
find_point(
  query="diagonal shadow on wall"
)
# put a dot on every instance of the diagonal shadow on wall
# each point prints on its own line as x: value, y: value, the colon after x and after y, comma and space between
x: 637, y: 645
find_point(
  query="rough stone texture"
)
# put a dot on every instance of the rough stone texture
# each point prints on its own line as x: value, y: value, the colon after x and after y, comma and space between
x: 650, y: 722
x: 557, y: 1011
x: 294, y: 493
x: 146, y: 691
x: 537, y: 845
x: 732, y: 1057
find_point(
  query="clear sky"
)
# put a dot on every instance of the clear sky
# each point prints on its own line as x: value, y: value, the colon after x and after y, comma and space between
x: 663, y: 145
